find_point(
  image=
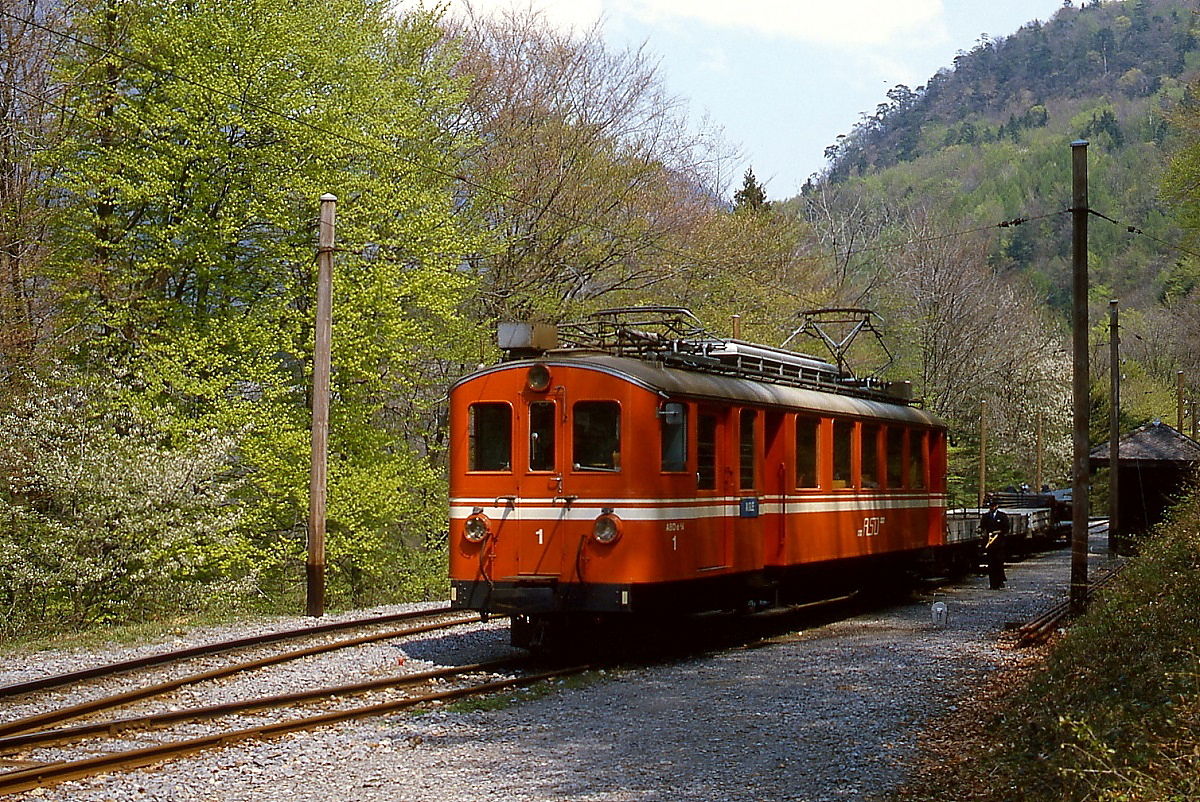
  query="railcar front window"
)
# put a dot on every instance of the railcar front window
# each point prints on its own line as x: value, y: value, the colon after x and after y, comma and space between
x: 895, y: 456
x: 747, y: 448
x: 674, y: 437
x: 597, y: 436
x: 706, y: 453
x: 870, y: 455
x: 843, y: 448
x: 489, y: 437
x: 541, y: 436
x: 807, y: 430
x: 916, y: 460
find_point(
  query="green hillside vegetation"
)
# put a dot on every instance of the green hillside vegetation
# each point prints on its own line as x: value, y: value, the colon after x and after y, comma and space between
x: 988, y: 141
x: 981, y: 156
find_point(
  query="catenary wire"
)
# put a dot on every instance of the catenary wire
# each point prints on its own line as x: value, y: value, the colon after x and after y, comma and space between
x: 1132, y: 229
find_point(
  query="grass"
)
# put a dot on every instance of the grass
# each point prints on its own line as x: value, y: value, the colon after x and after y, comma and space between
x: 126, y: 634
x: 147, y: 628
x: 503, y: 701
x: 1112, y: 713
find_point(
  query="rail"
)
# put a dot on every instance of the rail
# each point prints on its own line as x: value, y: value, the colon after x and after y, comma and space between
x: 178, y: 655
x: 1038, y: 630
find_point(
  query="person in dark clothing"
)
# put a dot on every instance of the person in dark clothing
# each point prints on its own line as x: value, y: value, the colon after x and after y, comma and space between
x: 994, y: 525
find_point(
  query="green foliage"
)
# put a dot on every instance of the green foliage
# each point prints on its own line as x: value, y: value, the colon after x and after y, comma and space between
x: 753, y: 265
x: 1181, y: 175
x: 104, y: 518
x: 600, y: 178
x: 204, y: 135
x: 1105, y: 123
x: 1180, y: 279
x: 994, y: 132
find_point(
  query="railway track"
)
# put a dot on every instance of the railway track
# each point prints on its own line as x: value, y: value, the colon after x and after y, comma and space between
x: 37, y: 776
x: 1039, y: 629
x: 24, y: 741
x: 44, y: 749
x: 99, y: 705
x: 180, y: 655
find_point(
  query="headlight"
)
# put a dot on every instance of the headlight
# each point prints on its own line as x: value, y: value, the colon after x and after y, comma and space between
x: 538, y: 378
x: 606, y: 529
x: 477, y: 528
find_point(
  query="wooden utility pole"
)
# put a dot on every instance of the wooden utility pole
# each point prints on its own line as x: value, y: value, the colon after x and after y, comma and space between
x: 1179, y: 400
x: 1038, y: 479
x: 1114, y: 427
x: 322, y: 365
x: 1080, y: 377
x: 982, y: 451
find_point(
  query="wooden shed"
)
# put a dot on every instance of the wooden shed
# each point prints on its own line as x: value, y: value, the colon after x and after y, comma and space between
x: 1154, y: 464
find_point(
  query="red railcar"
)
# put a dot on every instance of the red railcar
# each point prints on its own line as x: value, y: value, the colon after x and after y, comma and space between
x: 653, y: 475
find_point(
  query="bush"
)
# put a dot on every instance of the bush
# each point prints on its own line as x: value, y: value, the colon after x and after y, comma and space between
x: 103, y: 517
x: 1115, y: 714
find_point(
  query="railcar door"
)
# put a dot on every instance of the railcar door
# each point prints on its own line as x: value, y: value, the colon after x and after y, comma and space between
x: 750, y: 479
x: 775, y: 485
x: 573, y: 455
x: 714, y: 489
x: 542, y: 506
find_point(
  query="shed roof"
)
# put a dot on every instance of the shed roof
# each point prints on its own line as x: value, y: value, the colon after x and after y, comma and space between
x: 1151, y: 442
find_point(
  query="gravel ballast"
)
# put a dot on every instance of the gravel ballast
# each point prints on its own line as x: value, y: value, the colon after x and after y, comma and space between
x: 832, y: 713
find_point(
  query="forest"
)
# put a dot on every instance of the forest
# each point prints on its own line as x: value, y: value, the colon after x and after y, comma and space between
x: 160, y: 170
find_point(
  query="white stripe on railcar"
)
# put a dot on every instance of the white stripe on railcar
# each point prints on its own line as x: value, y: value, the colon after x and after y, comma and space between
x: 687, y: 509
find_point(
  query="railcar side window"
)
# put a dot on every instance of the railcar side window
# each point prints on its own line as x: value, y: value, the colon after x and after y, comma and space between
x: 916, y: 460
x: 895, y: 456
x: 489, y: 437
x: 843, y: 447
x: 706, y: 453
x: 597, y: 436
x: 674, y: 437
x: 747, y: 448
x: 870, y: 455
x: 541, y: 435
x: 807, y: 430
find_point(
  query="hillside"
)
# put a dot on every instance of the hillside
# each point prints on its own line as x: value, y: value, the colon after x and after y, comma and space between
x: 988, y: 140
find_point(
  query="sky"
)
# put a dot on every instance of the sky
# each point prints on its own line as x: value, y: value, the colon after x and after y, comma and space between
x: 783, y: 78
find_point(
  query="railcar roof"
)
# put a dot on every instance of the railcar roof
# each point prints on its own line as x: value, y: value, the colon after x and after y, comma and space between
x: 677, y: 383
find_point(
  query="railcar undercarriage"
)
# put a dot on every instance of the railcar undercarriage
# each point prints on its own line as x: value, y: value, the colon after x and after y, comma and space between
x: 548, y: 615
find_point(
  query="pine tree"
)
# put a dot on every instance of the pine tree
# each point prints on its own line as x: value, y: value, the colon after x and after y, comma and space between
x: 752, y: 196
